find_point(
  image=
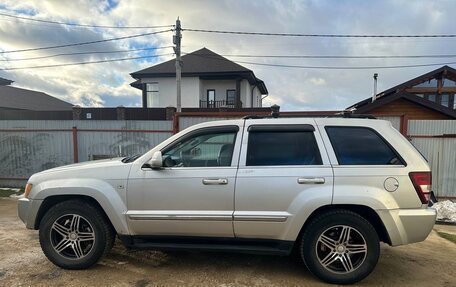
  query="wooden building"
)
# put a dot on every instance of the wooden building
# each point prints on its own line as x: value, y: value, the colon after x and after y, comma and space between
x: 429, y: 96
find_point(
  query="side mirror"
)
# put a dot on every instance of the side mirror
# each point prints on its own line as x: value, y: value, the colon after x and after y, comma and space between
x: 157, y: 161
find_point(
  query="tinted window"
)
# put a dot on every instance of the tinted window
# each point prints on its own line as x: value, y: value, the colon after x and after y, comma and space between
x: 360, y: 146
x: 204, y: 150
x: 282, y: 148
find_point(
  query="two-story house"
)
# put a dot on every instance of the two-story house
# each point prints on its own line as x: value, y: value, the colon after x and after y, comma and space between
x: 208, y: 81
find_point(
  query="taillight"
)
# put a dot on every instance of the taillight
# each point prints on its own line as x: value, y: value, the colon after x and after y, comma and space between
x: 422, y: 182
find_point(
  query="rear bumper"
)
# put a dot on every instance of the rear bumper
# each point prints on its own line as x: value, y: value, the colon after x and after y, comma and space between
x: 27, y: 211
x: 406, y: 226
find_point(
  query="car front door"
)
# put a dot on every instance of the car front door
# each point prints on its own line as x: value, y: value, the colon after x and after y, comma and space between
x: 193, y: 194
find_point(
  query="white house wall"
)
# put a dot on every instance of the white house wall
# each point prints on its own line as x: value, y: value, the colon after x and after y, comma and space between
x: 246, y: 97
x: 220, y: 87
x: 257, y: 98
x: 190, y: 89
x: 193, y: 90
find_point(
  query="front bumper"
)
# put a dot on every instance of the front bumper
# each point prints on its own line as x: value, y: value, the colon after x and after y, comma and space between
x: 406, y: 226
x: 27, y: 210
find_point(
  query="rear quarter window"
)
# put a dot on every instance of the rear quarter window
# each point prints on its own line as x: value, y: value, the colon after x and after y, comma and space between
x: 361, y: 146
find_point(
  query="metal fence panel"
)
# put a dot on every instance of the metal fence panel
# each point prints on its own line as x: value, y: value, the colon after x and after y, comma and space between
x: 440, y: 152
x: 185, y: 122
x: 24, y: 153
x: 431, y: 127
x: 30, y: 146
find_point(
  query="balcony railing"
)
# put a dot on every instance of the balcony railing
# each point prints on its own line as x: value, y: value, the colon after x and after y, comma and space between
x: 217, y: 104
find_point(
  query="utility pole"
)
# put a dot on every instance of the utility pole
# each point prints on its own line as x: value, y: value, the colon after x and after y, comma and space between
x: 177, y: 50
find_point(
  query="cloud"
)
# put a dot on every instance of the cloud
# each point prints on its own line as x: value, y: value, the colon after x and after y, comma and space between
x: 294, y: 89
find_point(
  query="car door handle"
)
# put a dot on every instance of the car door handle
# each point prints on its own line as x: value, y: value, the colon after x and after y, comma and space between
x: 311, y: 180
x: 215, y: 181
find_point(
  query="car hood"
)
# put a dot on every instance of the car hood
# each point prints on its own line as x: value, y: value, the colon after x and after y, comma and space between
x: 101, y: 169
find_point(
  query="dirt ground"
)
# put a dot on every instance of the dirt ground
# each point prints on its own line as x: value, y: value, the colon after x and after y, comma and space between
x: 429, y: 263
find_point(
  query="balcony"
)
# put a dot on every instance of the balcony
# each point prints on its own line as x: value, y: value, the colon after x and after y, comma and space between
x: 218, y: 104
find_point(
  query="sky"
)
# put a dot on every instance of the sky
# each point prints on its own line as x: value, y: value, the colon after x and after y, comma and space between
x: 108, y: 84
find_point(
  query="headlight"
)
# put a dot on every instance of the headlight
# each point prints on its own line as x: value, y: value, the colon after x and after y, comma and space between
x: 28, y: 188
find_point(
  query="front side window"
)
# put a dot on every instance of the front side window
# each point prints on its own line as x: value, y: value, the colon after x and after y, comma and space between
x: 361, y: 146
x: 206, y: 149
x: 272, y: 148
x: 152, y: 94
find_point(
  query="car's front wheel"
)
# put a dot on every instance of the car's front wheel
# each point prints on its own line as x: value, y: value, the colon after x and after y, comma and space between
x: 340, y: 247
x: 75, y: 235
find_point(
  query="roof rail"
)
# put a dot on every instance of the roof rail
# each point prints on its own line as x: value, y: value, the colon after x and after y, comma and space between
x: 275, y: 113
x: 341, y: 115
x: 348, y: 114
x: 253, y: 117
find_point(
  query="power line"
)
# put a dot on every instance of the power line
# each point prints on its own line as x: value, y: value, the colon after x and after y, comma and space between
x: 85, y: 63
x: 83, y: 25
x: 85, y: 43
x: 346, y: 67
x: 326, y: 67
x: 85, y: 53
x: 341, y: 56
x: 321, y: 35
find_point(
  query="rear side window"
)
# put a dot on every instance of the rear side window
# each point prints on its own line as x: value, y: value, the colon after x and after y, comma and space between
x: 270, y: 148
x: 361, y: 146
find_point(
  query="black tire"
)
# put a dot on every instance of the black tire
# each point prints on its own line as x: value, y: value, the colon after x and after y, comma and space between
x: 350, y: 263
x: 81, y: 221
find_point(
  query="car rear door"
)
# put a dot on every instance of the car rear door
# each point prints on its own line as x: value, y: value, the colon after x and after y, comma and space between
x: 284, y: 175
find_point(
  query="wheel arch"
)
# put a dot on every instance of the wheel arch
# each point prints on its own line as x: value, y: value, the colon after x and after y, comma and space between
x: 366, y: 212
x: 50, y: 201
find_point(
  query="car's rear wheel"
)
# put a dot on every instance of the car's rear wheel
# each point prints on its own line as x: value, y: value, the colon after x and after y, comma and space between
x: 340, y: 247
x: 75, y: 234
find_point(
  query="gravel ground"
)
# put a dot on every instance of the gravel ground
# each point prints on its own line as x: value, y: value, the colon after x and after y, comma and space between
x: 429, y: 263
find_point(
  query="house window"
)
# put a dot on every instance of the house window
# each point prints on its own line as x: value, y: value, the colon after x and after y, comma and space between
x: 448, y: 83
x: 431, y: 97
x: 152, y: 94
x: 445, y: 100
x: 432, y: 83
x: 230, y: 97
x: 211, y: 98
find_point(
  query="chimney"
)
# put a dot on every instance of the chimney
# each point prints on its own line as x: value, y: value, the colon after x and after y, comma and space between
x: 374, y: 96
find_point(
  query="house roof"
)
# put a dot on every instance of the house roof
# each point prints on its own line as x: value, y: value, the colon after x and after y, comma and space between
x: 398, y: 92
x: 5, y: 82
x: 22, y: 99
x: 202, y: 63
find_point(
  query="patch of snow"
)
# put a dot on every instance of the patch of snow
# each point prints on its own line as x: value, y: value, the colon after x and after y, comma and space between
x: 446, y: 210
x: 10, y: 189
x: 17, y: 195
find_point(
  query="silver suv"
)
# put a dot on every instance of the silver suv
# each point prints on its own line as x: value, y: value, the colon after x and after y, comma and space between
x: 326, y: 189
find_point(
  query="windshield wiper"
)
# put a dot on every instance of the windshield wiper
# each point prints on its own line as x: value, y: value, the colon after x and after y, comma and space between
x: 130, y: 158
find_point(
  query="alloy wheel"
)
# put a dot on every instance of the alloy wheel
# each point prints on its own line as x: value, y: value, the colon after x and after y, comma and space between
x: 72, y: 236
x: 341, y: 249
